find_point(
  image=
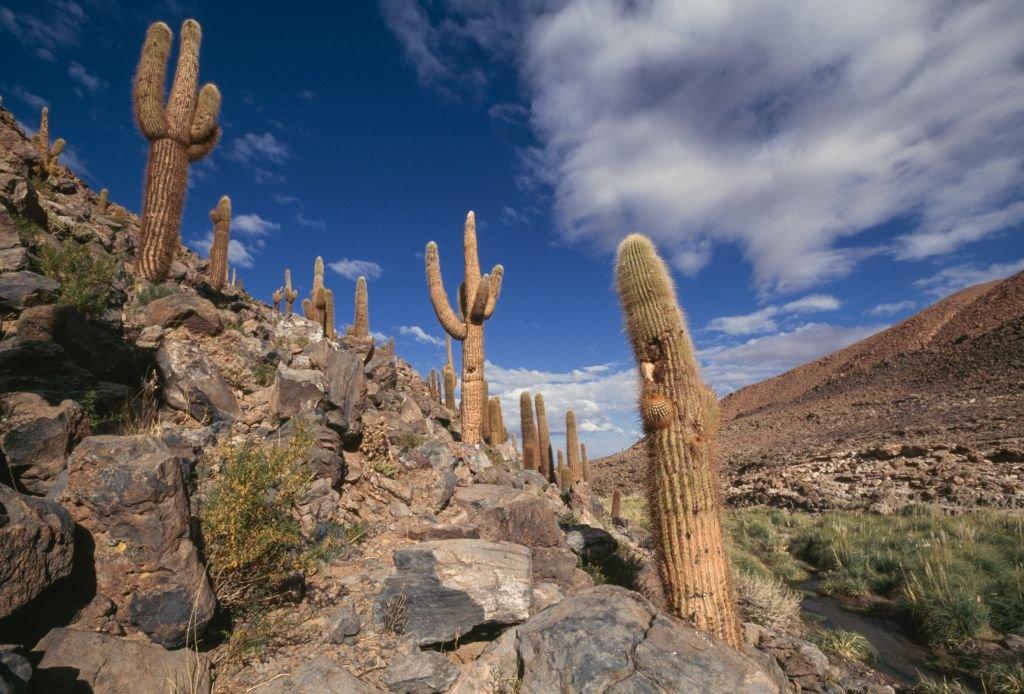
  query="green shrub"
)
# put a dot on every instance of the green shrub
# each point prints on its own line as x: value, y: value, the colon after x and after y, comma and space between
x: 28, y: 231
x: 844, y: 644
x: 253, y: 544
x: 263, y: 373
x: 85, y: 282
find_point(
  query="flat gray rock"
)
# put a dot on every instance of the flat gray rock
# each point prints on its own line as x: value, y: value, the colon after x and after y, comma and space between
x: 318, y: 676
x: 423, y: 672
x: 19, y: 290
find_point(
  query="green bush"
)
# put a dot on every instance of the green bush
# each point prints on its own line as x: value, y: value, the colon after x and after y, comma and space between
x: 85, y: 282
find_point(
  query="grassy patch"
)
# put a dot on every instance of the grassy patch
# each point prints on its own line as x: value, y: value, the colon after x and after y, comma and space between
x: 152, y: 292
x: 263, y: 373
x: 28, y: 231
x: 842, y: 643
x: 768, y: 601
x: 1004, y: 678
x: 85, y: 282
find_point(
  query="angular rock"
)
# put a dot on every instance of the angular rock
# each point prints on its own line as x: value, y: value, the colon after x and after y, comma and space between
x: 194, y: 312
x: 609, y: 639
x: 445, y: 589
x: 193, y: 383
x: 19, y: 290
x: 423, y: 672
x: 556, y: 565
x: 295, y: 391
x: 803, y: 662
x: 84, y: 661
x: 36, y: 438
x: 505, y: 513
x: 16, y: 258
x: 443, y: 489
x: 15, y: 670
x: 344, y: 382
x: 344, y: 624
x: 36, y: 547
x: 128, y: 492
x: 317, y: 676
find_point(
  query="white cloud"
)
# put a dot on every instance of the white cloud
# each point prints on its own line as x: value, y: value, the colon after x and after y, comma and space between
x: 420, y: 335
x: 33, y: 100
x: 353, y: 269
x: 239, y: 254
x: 891, y: 309
x: 953, y: 279
x: 253, y: 225
x: 254, y: 147
x: 81, y: 75
x: 763, y: 320
x: 314, y: 223
x: 70, y: 158
x: 59, y: 28
x: 786, y: 127
x: 306, y: 94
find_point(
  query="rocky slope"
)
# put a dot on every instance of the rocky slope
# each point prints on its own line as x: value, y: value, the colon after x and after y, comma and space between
x: 459, y: 571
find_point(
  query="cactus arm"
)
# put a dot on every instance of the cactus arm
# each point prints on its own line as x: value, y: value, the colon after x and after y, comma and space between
x: 57, y: 148
x: 470, y: 255
x: 483, y: 290
x: 497, y: 274
x: 198, y: 150
x: 204, y: 121
x: 181, y: 105
x: 439, y: 298
x: 150, y: 79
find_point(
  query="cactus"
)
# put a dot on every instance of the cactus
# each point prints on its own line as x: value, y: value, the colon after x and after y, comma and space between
x: 432, y: 383
x: 545, y: 464
x: 329, y: 330
x: 47, y: 165
x: 572, y: 447
x: 564, y: 474
x: 616, y: 504
x: 529, y: 430
x: 307, y: 308
x: 678, y: 414
x: 319, y: 301
x: 485, y: 420
x: 497, y: 421
x: 478, y: 296
x: 391, y: 347
x: 290, y: 295
x: 182, y: 131
x: 361, y: 323
x: 103, y: 201
x: 584, y: 463
x: 277, y: 296
x: 221, y: 218
x: 449, y: 377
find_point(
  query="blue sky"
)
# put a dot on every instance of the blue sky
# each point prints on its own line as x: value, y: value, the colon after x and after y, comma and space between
x: 814, y: 172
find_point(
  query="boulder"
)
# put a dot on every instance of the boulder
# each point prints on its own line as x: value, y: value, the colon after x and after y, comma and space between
x: 36, y: 547
x: 36, y: 438
x: 317, y: 676
x: 295, y: 391
x: 84, y: 661
x: 422, y: 672
x: 297, y: 332
x: 194, y: 312
x: 444, y: 589
x: 15, y: 670
x: 803, y: 662
x: 91, y: 344
x: 609, y: 639
x: 505, y: 513
x: 193, y: 383
x: 43, y: 368
x: 128, y: 492
x: 344, y: 382
x: 19, y: 290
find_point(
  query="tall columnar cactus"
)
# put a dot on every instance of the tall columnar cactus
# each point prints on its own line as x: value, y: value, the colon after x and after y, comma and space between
x: 361, y: 321
x: 616, y: 504
x: 529, y: 430
x: 182, y: 131
x: 564, y: 474
x: 277, y: 296
x: 47, y: 154
x: 290, y: 295
x: 478, y: 296
x: 329, y: 329
x: 221, y: 218
x: 572, y: 447
x: 678, y: 412
x: 485, y: 420
x: 449, y: 376
x: 432, y: 384
x: 497, y: 420
x: 103, y: 201
x: 544, y: 465
x: 584, y: 463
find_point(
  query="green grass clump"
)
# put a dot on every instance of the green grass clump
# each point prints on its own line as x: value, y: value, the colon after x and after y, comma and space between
x: 85, y: 282
x: 152, y: 292
x: 1004, y: 678
x: 844, y: 644
x: 927, y: 685
x: 263, y: 373
x: 28, y: 231
x: 253, y: 544
x: 768, y: 601
x: 758, y: 542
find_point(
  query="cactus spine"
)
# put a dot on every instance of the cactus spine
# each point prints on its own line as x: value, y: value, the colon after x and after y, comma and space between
x: 277, y: 295
x: 572, y: 447
x: 221, y: 218
x: 584, y: 463
x: 544, y: 463
x: 530, y: 452
x: 478, y: 296
x: 47, y: 155
x: 182, y: 131
x: 103, y: 201
x: 290, y: 295
x: 678, y: 413
x: 361, y: 322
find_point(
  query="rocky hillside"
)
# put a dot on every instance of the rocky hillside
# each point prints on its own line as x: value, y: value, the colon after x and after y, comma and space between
x: 199, y: 491
x: 929, y: 410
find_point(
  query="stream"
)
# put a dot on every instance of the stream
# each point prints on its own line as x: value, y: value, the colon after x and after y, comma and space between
x: 898, y: 656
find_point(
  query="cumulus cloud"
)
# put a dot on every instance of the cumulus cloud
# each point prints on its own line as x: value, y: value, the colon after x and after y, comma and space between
x: 764, y: 320
x: 85, y: 78
x: 891, y: 309
x: 353, y: 269
x: 953, y: 279
x: 240, y: 254
x: 783, y: 127
x: 420, y: 335
x: 252, y: 148
x: 253, y: 225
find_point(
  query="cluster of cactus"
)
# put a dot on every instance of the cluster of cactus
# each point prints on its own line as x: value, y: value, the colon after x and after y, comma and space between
x: 319, y: 306
x: 678, y: 413
x: 221, y: 218
x: 478, y: 295
x: 47, y: 164
x: 286, y: 294
x: 181, y: 131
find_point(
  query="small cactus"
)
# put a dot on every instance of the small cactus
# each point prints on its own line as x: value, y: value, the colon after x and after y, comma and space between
x: 545, y: 465
x: 391, y: 347
x: 47, y: 165
x: 290, y: 295
x: 478, y: 296
x: 584, y: 463
x: 361, y: 322
x: 449, y: 377
x: 529, y: 431
x: 329, y: 330
x: 616, y: 505
x: 432, y: 384
x: 678, y: 413
x: 497, y: 421
x: 572, y: 447
x: 277, y: 296
x: 221, y: 218
x: 564, y: 474
x: 103, y: 201
x: 181, y: 131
